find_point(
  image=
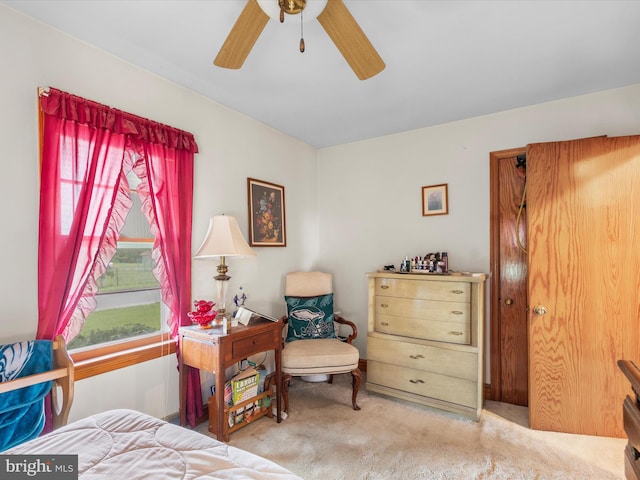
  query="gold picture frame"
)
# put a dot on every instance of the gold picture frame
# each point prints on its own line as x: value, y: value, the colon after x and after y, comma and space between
x: 267, y: 222
x: 435, y: 200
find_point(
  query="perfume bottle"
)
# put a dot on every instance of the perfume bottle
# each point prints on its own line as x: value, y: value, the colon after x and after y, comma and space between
x: 406, y: 264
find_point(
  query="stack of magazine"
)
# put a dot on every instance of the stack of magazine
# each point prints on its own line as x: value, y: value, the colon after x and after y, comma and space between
x: 245, y: 385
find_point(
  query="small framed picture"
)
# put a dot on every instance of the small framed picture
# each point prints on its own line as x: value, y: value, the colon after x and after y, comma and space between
x: 267, y: 225
x: 435, y: 200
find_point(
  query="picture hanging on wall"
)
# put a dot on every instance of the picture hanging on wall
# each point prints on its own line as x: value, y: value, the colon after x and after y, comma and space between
x: 267, y: 226
x: 435, y: 200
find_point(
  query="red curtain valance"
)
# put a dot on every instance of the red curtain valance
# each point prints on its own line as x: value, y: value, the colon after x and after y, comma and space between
x: 71, y: 107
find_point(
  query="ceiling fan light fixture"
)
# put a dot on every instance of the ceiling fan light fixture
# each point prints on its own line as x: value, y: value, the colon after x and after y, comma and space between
x: 334, y: 17
x: 312, y: 8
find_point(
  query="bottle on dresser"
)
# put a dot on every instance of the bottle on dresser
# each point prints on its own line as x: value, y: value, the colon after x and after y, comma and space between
x: 406, y: 265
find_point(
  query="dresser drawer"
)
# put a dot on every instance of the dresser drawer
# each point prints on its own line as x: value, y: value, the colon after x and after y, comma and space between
x: 453, y: 363
x: 244, y: 347
x: 452, y: 332
x: 433, y: 290
x: 424, y: 309
x: 441, y: 387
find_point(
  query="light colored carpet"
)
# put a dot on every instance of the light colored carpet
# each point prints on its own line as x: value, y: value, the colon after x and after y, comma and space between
x: 323, y: 438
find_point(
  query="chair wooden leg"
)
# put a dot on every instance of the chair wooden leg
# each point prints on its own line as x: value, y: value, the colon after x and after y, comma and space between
x: 356, y: 376
x: 268, y: 387
x: 286, y: 379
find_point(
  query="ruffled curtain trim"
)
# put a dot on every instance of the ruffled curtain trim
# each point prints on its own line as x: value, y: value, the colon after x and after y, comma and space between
x: 159, y: 269
x: 70, y: 107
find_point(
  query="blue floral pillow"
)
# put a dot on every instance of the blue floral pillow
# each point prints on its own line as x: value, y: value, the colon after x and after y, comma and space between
x: 310, y: 317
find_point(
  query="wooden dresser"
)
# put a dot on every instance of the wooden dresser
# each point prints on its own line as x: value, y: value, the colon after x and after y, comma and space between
x: 425, y: 339
x: 631, y: 421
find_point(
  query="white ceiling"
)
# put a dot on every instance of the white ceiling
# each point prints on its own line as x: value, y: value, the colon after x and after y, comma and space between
x: 445, y: 60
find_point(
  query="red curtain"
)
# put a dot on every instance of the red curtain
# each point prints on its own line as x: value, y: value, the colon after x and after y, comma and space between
x: 166, y: 175
x: 82, y: 208
x: 87, y: 150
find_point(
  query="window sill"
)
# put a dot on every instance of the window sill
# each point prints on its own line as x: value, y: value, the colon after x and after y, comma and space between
x: 101, y: 360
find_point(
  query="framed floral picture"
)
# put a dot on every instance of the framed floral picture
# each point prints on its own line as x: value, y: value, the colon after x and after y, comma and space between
x: 267, y: 225
x: 435, y: 200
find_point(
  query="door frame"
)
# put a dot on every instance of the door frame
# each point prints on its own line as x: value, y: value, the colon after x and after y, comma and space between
x: 495, y: 331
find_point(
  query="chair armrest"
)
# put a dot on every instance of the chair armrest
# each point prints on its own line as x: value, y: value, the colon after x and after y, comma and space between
x: 285, y: 323
x: 339, y: 319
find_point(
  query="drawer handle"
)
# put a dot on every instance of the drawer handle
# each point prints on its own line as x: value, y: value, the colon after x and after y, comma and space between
x: 456, y: 333
x: 416, y: 381
x: 415, y: 357
x: 384, y: 305
x: 457, y: 312
x: 457, y: 292
x: 384, y: 287
x: 384, y: 324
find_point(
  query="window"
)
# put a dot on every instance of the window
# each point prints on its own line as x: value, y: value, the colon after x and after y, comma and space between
x: 129, y: 299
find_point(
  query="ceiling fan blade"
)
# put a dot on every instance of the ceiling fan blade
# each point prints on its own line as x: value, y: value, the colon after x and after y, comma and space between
x: 347, y: 35
x: 242, y: 37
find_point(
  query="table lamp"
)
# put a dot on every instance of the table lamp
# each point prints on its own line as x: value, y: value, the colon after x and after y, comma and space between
x: 223, y: 239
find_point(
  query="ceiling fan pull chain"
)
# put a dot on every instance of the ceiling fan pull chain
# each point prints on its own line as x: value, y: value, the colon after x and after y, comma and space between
x: 301, y: 34
x: 281, y: 3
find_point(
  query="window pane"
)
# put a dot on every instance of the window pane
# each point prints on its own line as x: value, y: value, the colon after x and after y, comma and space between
x: 129, y: 296
x: 130, y: 269
x: 115, y: 324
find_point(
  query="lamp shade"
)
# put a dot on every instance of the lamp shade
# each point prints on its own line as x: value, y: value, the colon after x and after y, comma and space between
x: 223, y: 239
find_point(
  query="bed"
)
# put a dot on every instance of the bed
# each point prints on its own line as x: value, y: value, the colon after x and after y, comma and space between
x: 126, y: 444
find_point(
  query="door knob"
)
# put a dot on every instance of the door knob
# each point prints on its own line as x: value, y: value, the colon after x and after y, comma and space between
x: 509, y: 301
x: 540, y: 310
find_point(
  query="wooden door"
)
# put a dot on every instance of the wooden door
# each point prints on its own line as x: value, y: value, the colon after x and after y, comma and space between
x: 509, y: 360
x: 583, y: 207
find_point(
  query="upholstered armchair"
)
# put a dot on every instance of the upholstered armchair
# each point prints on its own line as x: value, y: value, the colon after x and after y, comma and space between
x: 312, y: 344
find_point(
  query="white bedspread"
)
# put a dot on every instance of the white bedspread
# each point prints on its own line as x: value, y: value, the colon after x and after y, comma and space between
x: 128, y: 445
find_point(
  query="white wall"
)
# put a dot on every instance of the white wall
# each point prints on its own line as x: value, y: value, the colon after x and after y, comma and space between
x: 370, y: 212
x: 232, y: 148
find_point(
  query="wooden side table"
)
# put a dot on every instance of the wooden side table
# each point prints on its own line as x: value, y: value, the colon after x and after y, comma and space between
x: 215, y: 351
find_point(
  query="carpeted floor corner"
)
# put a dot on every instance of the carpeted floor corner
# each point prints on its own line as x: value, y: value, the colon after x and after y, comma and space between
x: 324, y: 438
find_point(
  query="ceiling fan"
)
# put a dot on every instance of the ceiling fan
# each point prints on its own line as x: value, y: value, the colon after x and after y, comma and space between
x: 335, y: 18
